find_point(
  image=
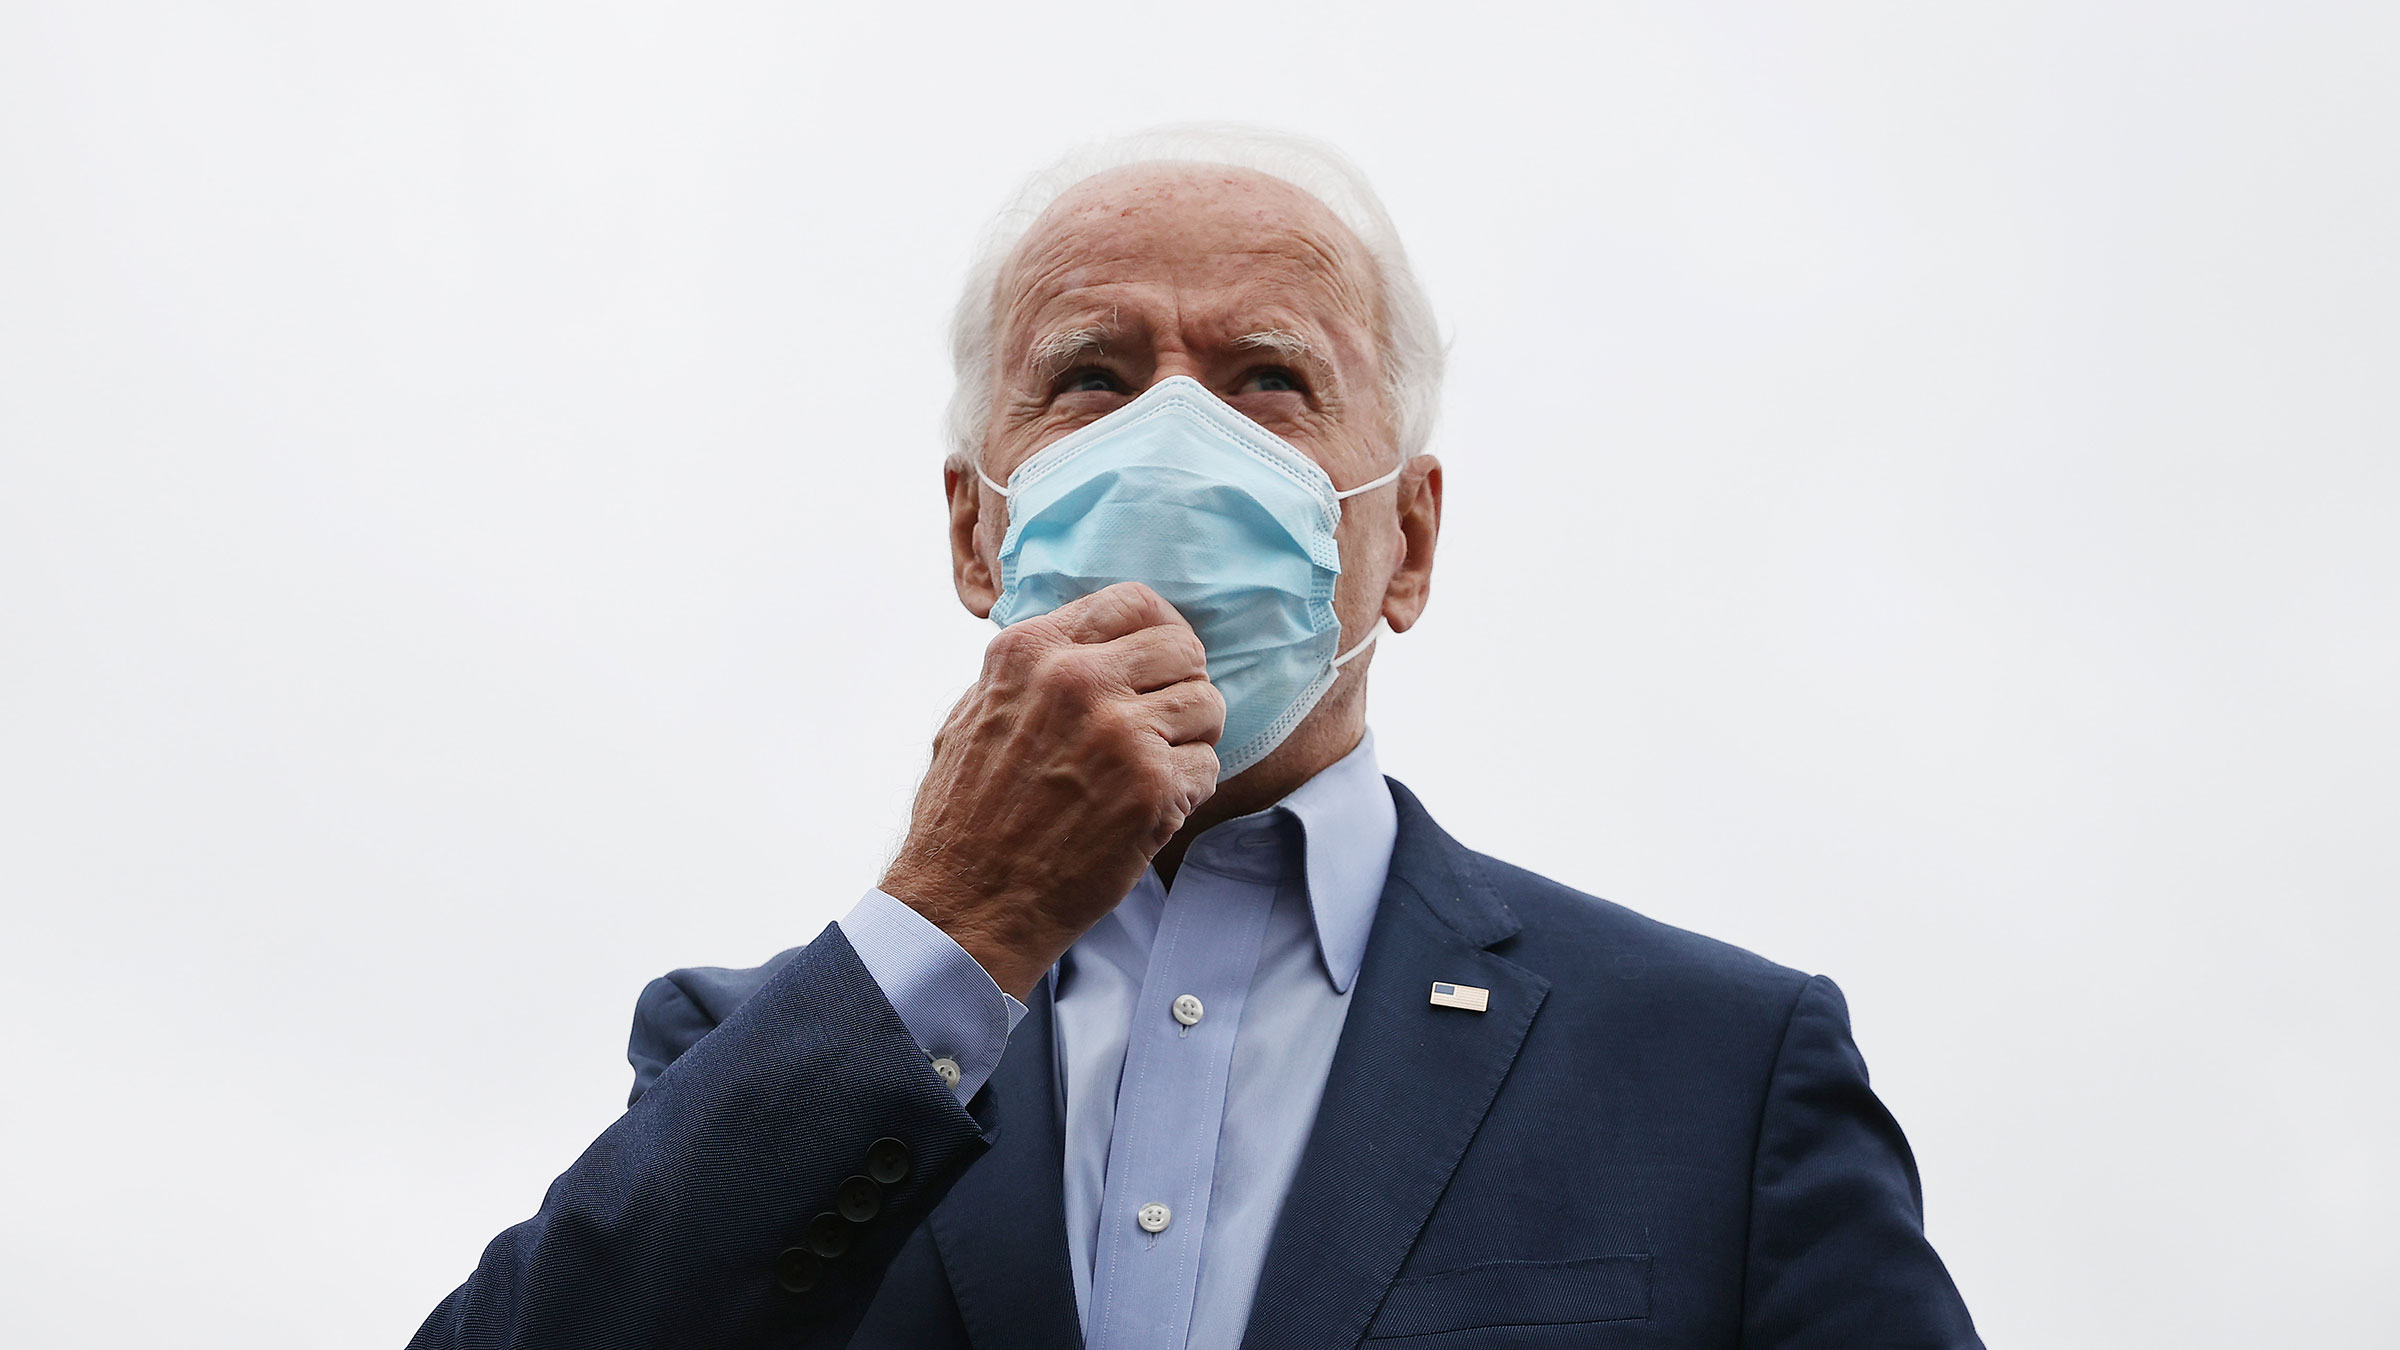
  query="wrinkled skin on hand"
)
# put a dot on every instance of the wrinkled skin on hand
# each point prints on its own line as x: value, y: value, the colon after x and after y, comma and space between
x: 1087, y: 742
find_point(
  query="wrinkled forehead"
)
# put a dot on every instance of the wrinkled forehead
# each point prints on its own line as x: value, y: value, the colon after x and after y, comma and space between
x: 1185, y: 228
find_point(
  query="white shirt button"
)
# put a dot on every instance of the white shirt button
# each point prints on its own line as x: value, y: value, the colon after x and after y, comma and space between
x: 1153, y: 1217
x: 948, y: 1069
x: 1187, y: 1010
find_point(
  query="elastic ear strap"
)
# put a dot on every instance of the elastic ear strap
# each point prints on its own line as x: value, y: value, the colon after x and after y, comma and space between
x: 1369, y: 487
x: 987, y: 479
x: 1363, y: 643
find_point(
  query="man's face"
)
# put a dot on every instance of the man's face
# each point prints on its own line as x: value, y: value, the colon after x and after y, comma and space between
x: 1235, y: 279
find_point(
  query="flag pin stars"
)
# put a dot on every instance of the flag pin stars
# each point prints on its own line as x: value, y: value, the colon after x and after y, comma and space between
x: 1465, y: 996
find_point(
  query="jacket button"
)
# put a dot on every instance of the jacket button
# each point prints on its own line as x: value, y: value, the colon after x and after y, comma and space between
x: 887, y: 1161
x: 859, y: 1199
x: 797, y: 1270
x: 828, y: 1236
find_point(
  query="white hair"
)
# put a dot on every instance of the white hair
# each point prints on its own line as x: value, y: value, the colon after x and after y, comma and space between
x: 1411, y: 345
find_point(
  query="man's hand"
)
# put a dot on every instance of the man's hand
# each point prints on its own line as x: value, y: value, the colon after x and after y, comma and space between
x: 1087, y: 742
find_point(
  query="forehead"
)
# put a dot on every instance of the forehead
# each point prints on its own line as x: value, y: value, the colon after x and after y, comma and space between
x: 1210, y: 241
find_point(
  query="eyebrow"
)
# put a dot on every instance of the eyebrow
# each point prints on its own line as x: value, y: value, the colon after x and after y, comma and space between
x: 1055, y: 351
x: 1281, y: 341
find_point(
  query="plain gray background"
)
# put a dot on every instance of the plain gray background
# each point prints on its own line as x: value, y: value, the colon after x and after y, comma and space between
x: 1921, y: 507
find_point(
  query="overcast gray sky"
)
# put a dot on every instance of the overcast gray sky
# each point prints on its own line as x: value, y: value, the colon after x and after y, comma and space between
x: 1922, y: 507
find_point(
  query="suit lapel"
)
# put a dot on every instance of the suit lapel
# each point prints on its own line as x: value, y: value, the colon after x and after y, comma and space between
x: 1409, y: 1087
x: 1002, y: 1230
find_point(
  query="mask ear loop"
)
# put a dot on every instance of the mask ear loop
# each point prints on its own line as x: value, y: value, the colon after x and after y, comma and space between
x: 1378, y: 630
x: 1363, y: 643
x: 1340, y: 496
x: 987, y: 479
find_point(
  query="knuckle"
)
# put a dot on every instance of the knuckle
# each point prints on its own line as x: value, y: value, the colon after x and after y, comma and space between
x: 1116, y: 599
x: 1010, y: 646
x: 1065, y: 670
x: 1119, y: 726
x: 1142, y: 604
x: 1040, y: 662
x: 1169, y: 820
x: 1157, y: 779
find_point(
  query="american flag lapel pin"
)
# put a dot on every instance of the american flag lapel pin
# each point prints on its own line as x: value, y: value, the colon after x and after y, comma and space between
x: 1467, y: 996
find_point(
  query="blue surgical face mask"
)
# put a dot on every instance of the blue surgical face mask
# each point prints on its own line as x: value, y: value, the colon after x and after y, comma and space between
x: 1224, y: 519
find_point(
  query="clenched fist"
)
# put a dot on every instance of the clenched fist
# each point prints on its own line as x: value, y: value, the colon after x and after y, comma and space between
x: 1089, y: 739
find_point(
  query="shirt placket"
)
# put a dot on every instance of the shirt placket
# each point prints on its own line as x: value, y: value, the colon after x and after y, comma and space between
x: 1171, y: 1102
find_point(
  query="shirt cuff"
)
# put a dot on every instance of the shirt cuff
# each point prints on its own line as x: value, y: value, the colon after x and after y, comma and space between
x: 944, y: 997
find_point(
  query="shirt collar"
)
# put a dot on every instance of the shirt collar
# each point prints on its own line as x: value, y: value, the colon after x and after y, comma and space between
x: 1347, y: 826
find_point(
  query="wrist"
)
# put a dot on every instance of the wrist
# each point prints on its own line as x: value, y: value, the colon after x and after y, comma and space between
x: 1002, y: 934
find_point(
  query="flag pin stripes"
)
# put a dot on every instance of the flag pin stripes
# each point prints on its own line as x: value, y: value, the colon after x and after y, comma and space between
x: 1465, y: 996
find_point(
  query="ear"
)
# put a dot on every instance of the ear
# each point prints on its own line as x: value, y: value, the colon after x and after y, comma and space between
x: 977, y: 589
x: 1420, y: 526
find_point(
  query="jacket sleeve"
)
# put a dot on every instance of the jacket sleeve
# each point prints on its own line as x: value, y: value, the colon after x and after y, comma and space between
x: 1838, y: 1258
x: 691, y: 1220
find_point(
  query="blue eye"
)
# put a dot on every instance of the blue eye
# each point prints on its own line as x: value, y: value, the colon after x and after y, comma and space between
x: 1272, y: 382
x: 1088, y: 380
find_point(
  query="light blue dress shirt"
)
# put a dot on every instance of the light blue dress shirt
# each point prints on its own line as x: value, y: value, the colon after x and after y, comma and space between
x: 1190, y: 1125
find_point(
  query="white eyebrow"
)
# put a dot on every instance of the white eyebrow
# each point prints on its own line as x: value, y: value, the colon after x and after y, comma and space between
x: 1059, y: 348
x: 1279, y: 340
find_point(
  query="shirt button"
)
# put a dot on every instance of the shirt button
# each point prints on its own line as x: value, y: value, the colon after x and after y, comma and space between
x: 1154, y: 1217
x: 1187, y: 1010
x: 948, y: 1069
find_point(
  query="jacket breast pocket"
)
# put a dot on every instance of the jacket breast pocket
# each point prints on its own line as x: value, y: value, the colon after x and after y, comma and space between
x: 1518, y: 1294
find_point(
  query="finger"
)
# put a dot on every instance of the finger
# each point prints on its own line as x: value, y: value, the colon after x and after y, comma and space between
x: 1195, y: 766
x: 1111, y: 612
x: 1182, y: 714
x: 1154, y: 658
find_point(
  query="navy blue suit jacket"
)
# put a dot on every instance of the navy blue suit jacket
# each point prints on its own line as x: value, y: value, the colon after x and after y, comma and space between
x: 1650, y: 1139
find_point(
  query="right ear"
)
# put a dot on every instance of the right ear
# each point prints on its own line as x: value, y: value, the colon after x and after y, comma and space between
x: 969, y: 570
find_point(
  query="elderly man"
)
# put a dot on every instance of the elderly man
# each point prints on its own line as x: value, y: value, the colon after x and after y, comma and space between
x: 1284, y: 1064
